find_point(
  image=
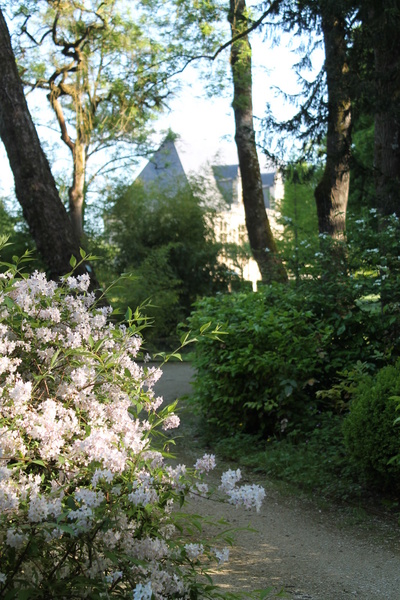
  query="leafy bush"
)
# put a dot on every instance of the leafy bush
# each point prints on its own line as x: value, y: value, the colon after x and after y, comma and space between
x: 298, y: 216
x: 371, y: 437
x: 284, y: 345
x: 15, y: 230
x: 264, y: 371
x: 86, y: 494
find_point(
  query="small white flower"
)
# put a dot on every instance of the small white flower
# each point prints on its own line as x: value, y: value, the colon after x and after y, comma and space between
x: 205, y: 464
x: 142, y: 592
x: 15, y: 538
x: 193, y: 551
x: 222, y: 555
x: 171, y: 422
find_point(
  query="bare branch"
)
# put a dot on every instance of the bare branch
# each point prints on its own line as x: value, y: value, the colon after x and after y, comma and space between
x: 53, y: 98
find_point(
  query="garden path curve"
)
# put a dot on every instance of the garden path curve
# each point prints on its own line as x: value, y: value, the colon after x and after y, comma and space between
x: 313, y: 552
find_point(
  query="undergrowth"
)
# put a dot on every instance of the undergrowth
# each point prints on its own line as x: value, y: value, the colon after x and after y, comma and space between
x: 316, y: 466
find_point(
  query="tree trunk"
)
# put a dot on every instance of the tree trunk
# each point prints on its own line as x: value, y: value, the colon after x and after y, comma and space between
x: 261, y: 240
x: 331, y: 194
x: 35, y: 188
x: 385, y: 34
x: 76, y: 192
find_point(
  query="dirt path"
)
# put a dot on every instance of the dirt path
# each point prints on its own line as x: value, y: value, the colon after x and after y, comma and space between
x: 313, y: 553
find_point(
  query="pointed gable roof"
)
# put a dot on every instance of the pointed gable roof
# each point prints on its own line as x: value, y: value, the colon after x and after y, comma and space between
x: 164, y: 168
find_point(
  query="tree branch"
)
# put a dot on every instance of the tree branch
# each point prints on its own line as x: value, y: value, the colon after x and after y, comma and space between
x: 53, y: 99
x: 255, y: 24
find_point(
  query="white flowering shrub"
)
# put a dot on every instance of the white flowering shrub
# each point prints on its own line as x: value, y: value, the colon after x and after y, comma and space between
x: 86, y: 496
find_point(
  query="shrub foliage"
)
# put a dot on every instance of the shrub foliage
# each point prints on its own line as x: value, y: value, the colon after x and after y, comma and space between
x: 370, y: 433
x: 163, y: 238
x: 262, y: 372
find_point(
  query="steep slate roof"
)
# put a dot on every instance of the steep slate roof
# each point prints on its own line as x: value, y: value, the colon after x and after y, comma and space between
x: 225, y: 171
x: 164, y: 167
x: 226, y: 177
x: 165, y: 170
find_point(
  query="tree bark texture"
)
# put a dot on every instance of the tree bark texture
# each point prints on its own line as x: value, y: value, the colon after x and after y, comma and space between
x: 384, y: 22
x: 35, y: 187
x: 331, y: 194
x: 261, y: 240
x: 76, y: 192
x: 78, y: 149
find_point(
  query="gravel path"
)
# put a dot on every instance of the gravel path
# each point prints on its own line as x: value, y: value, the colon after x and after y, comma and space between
x: 313, y: 553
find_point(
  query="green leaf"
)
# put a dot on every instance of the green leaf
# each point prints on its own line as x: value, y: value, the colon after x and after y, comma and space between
x: 41, y: 463
x: 66, y: 528
x: 71, y: 503
x: 54, y: 358
x: 9, y: 302
x: 112, y: 556
x: 204, y: 327
x: 341, y: 329
x: 72, y: 261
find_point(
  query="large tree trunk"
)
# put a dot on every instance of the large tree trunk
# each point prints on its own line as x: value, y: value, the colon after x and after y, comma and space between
x: 331, y: 194
x: 385, y: 26
x: 35, y: 188
x: 262, y: 243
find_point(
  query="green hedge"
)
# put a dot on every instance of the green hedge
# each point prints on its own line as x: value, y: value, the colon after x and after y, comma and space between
x: 262, y: 376
x: 371, y: 437
x: 283, y: 345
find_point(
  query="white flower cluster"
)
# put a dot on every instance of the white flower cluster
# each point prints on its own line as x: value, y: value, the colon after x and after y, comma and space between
x: 77, y: 467
x: 171, y: 422
x: 205, y: 464
x: 193, y: 551
x: 249, y: 496
x: 222, y: 555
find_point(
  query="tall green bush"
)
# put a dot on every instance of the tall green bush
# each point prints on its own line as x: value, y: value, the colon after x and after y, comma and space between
x: 298, y: 211
x: 261, y: 376
x: 371, y: 437
x: 284, y: 344
x: 14, y: 228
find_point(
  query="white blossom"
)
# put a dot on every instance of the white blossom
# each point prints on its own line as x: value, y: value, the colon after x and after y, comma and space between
x: 171, y: 422
x: 205, y: 464
x: 221, y: 555
x: 142, y: 592
x: 193, y: 551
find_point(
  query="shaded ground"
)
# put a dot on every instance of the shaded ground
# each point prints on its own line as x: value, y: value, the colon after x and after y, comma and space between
x: 313, y: 553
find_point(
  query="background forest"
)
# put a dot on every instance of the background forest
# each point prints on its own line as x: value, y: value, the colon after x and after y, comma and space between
x: 307, y: 366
